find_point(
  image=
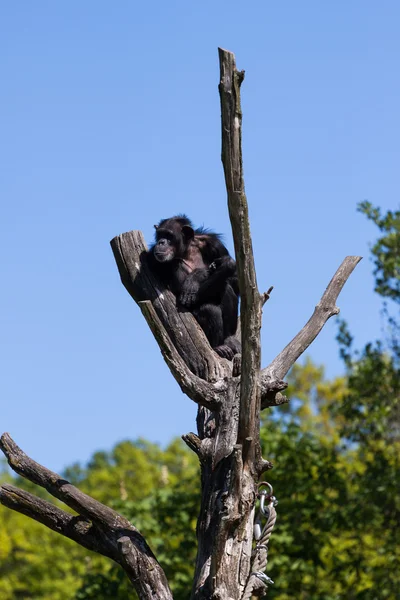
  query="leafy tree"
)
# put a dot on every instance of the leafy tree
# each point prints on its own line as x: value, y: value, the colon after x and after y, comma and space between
x: 338, y: 460
x: 386, y: 258
x: 385, y: 251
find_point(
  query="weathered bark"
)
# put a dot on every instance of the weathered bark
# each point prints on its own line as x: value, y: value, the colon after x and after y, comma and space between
x: 271, y: 376
x: 250, y: 299
x: 96, y: 527
x: 230, y: 471
x: 325, y: 309
x: 229, y: 395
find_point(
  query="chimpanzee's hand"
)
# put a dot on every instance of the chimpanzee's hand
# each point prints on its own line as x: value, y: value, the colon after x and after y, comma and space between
x: 188, y: 295
x: 224, y: 262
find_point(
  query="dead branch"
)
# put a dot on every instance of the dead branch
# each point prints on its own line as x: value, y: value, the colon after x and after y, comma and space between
x: 266, y: 295
x: 250, y: 300
x: 96, y: 527
x: 205, y: 394
x: 325, y: 309
x: 75, y: 527
x: 58, y: 487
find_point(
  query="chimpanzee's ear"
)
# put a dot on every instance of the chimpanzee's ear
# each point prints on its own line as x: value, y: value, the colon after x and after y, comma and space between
x: 188, y: 232
x: 155, y: 226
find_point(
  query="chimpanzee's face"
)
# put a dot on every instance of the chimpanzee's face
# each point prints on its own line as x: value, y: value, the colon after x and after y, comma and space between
x: 166, y: 246
x: 172, y: 240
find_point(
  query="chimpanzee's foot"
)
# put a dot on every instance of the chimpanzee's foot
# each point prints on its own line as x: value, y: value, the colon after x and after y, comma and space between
x: 225, y: 351
x: 187, y: 299
x: 237, y: 365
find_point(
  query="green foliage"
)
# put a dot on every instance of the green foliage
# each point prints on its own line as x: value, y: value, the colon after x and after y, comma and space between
x: 337, y: 453
x: 386, y: 251
x: 336, y: 536
x: 110, y: 584
x: 371, y: 408
x: 36, y: 562
x: 386, y: 257
x: 157, y: 489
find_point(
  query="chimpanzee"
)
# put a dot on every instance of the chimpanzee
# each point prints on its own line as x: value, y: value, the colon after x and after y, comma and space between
x: 195, y: 265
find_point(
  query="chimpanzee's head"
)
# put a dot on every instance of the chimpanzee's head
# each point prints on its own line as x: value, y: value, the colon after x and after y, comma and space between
x: 172, y: 238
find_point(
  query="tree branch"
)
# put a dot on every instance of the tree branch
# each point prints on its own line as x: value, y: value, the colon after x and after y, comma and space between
x: 271, y: 376
x: 194, y: 443
x: 97, y: 527
x: 77, y: 528
x: 200, y: 391
x: 250, y: 312
x: 59, y: 487
x: 144, y: 572
x: 266, y: 295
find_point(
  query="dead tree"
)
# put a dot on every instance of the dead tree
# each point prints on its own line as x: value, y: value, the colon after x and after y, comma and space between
x: 229, y: 395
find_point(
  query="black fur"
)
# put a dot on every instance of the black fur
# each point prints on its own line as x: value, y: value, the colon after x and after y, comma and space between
x: 195, y: 265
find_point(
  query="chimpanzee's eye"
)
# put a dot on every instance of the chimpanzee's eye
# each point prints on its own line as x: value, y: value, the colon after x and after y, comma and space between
x: 165, y: 235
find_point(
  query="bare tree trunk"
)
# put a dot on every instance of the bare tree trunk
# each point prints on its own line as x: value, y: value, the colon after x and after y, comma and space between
x: 229, y: 395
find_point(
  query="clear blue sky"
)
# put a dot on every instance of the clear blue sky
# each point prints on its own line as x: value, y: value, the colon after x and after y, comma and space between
x: 110, y: 120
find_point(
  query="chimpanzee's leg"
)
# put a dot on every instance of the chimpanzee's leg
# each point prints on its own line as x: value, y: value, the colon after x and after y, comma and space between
x: 230, y: 302
x: 217, y: 326
x: 209, y: 317
x: 229, y: 306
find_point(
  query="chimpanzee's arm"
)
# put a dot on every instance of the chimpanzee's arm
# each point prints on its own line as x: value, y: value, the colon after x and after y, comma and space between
x: 213, y: 248
x: 220, y: 271
x: 191, y: 286
x: 222, y: 266
x: 208, y: 285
